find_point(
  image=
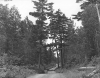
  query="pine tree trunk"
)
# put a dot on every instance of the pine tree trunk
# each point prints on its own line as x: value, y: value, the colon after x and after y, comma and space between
x: 7, y: 46
x: 61, y: 59
x: 61, y: 53
x: 50, y: 55
x: 99, y: 27
x: 63, y: 50
x: 39, y: 63
x: 58, y: 58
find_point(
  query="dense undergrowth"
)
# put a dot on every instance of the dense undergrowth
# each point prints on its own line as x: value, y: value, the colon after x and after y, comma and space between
x: 16, y: 72
x: 13, y: 71
x: 96, y: 63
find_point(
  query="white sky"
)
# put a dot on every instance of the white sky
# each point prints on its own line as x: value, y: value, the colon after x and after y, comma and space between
x: 69, y: 7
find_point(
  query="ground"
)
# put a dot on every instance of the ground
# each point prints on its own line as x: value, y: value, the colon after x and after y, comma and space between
x: 22, y: 72
x: 72, y: 73
x: 53, y: 74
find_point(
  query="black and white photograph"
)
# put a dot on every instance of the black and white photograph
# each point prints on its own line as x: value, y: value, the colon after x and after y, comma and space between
x: 49, y: 38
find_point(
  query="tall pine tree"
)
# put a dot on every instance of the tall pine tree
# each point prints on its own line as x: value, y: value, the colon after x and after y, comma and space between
x: 43, y: 10
x: 59, y: 29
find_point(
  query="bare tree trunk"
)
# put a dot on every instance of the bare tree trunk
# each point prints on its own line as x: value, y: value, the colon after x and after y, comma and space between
x: 58, y: 58
x: 39, y: 63
x: 61, y: 58
x: 99, y: 27
x: 57, y: 55
x: 61, y: 52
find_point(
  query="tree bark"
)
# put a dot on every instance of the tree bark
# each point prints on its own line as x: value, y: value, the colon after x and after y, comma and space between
x: 39, y: 63
x: 58, y: 58
x: 61, y: 52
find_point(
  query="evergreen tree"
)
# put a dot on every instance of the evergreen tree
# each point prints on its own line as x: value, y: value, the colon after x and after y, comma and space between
x: 59, y: 29
x: 90, y: 21
x: 43, y: 10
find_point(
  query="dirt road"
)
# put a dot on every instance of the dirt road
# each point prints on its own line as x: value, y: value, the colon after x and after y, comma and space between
x: 50, y: 74
x: 73, y: 73
x: 53, y: 74
x: 56, y: 75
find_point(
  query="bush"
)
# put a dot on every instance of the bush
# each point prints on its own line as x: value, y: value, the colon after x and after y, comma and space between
x: 95, y: 61
x: 18, y: 72
x: 73, y: 60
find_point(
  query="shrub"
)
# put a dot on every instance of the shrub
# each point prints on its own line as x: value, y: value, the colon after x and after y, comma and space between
x: 18, y: 72
x: 95, y: 61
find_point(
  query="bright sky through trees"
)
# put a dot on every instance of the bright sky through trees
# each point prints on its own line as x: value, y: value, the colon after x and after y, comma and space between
x: 69, y: 7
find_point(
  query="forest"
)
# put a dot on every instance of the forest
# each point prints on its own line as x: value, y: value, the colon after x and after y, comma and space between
x: 24, y: 43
